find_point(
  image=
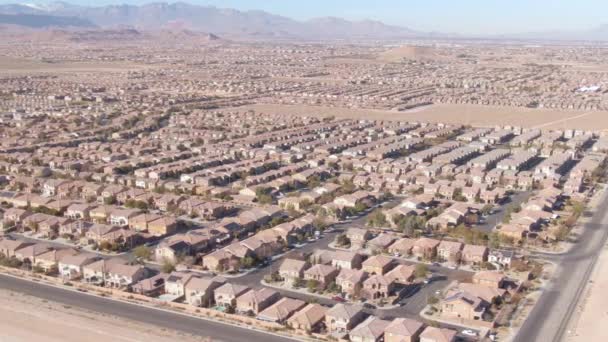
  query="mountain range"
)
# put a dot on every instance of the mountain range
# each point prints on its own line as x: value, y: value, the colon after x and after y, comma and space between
x: 233, y: 23
x: 220, y: 21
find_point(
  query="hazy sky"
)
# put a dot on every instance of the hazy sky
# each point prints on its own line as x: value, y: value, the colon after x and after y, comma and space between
x: 461, y: 16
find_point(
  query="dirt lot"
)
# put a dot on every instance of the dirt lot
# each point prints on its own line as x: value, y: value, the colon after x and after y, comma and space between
x: 592, y: 315
x: 25, y: 318
x: 14, y: 66
x: 476, y: 115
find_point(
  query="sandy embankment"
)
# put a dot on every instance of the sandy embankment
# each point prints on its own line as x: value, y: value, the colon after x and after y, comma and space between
x: 591, y: 320
x: 25, y: 318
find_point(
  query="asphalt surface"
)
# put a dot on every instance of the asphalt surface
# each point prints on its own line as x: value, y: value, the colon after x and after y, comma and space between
x: 499, y: 212
x: 551, y: 315
x: 164, y: 319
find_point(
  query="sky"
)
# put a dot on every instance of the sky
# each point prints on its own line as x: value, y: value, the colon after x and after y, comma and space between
x: 447, y: 16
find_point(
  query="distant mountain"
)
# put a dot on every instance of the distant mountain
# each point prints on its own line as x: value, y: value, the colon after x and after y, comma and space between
x: 43, y: 21
x: 224, y: 22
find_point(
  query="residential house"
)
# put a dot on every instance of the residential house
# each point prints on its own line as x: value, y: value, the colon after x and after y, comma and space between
x: 291, y: 270
x: 377, y: 264
x: 200, y: 291
x: 377, y: 287
x: 351, y: 281
x: 342, y: 318
x: 308, y: 319
x: 255, y: 301
x: 280, y: 311
x: 474, y: 254
x: 323, y: 274
x: 402, y: 247
x: 432, y: 334
x: 403, y: 330
x: 225, y: 296
x: 425, y: 248
x: 71, y: 266
x: 402, y: 274
x: 450, y: 251
x: 370, y: 330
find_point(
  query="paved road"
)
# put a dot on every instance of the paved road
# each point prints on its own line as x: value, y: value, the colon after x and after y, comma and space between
x: 549, y: 319
x: 499, y: 212
x: 215, y: 330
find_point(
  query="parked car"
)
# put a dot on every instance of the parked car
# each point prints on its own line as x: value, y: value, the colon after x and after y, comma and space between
x: 469, y: 332
x: 338, y: 299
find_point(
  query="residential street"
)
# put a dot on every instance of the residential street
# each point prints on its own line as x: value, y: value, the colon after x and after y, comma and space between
x: 550, y: 317
x: 174, y: 321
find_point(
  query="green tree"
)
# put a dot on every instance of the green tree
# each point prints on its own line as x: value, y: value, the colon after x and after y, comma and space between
x: 142, y: 252
x: 494, y: 241
x: 312, y: 285
x: 376, y: 219
x: 168, y: 266
x: 421, y: 270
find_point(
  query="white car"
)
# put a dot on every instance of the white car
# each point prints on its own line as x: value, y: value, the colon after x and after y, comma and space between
x: 469, y: 332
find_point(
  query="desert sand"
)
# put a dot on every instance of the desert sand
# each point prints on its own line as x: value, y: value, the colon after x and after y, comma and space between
x: 475, y: 115
x: 25, y: 318
x: 590, y: 325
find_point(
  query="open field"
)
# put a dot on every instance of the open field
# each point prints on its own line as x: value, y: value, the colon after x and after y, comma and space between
x: 593, y: 313
x: 26, y: 318
x: 476, y: 115
x: 14, y: 66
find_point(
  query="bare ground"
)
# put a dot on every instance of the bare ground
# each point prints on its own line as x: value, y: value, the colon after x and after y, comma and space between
x: 476, y: 115
x: 591, y: 316
x: 26, y: 318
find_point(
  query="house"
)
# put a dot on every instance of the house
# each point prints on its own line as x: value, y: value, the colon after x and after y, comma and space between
x: 14, y: 216
x: 291, y: 270
x: 49, y: 261
x: 403, y: 330
x: 323, y: 274
x: 8, y: 246
x: 346, y: 259
x: 220, y: 261
x: 425, y: 248
x: 370, y: 330
x: 151, y: 287
x: 465, y: 306
x: 113, y: 273
x: 381, y: 242
x: 501, y: 258
x: 162, y: 226
x: 449, y: 251
x: 402, y: 274
x: 225, y: 295
x: 377, y: 287
x: 120, y: 217
x: 175, y: 283
x: 377, y: 264
x: 122, y: 275
x: 255, y: 301
x: 309, y: 319
x: 494, y: 279
x: 343, y: 317
x: 432, y: 334
x: 280, y: 311
x: 79, y: 211
x: 200, y: 291
x: 101, y: 214
x: 351, y: 281
x: 28, y: 253
x: 474, y: 254
x: 140, y: 222
x: 171, y: 250
x: 402, y: 247
x: 357, y: 237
